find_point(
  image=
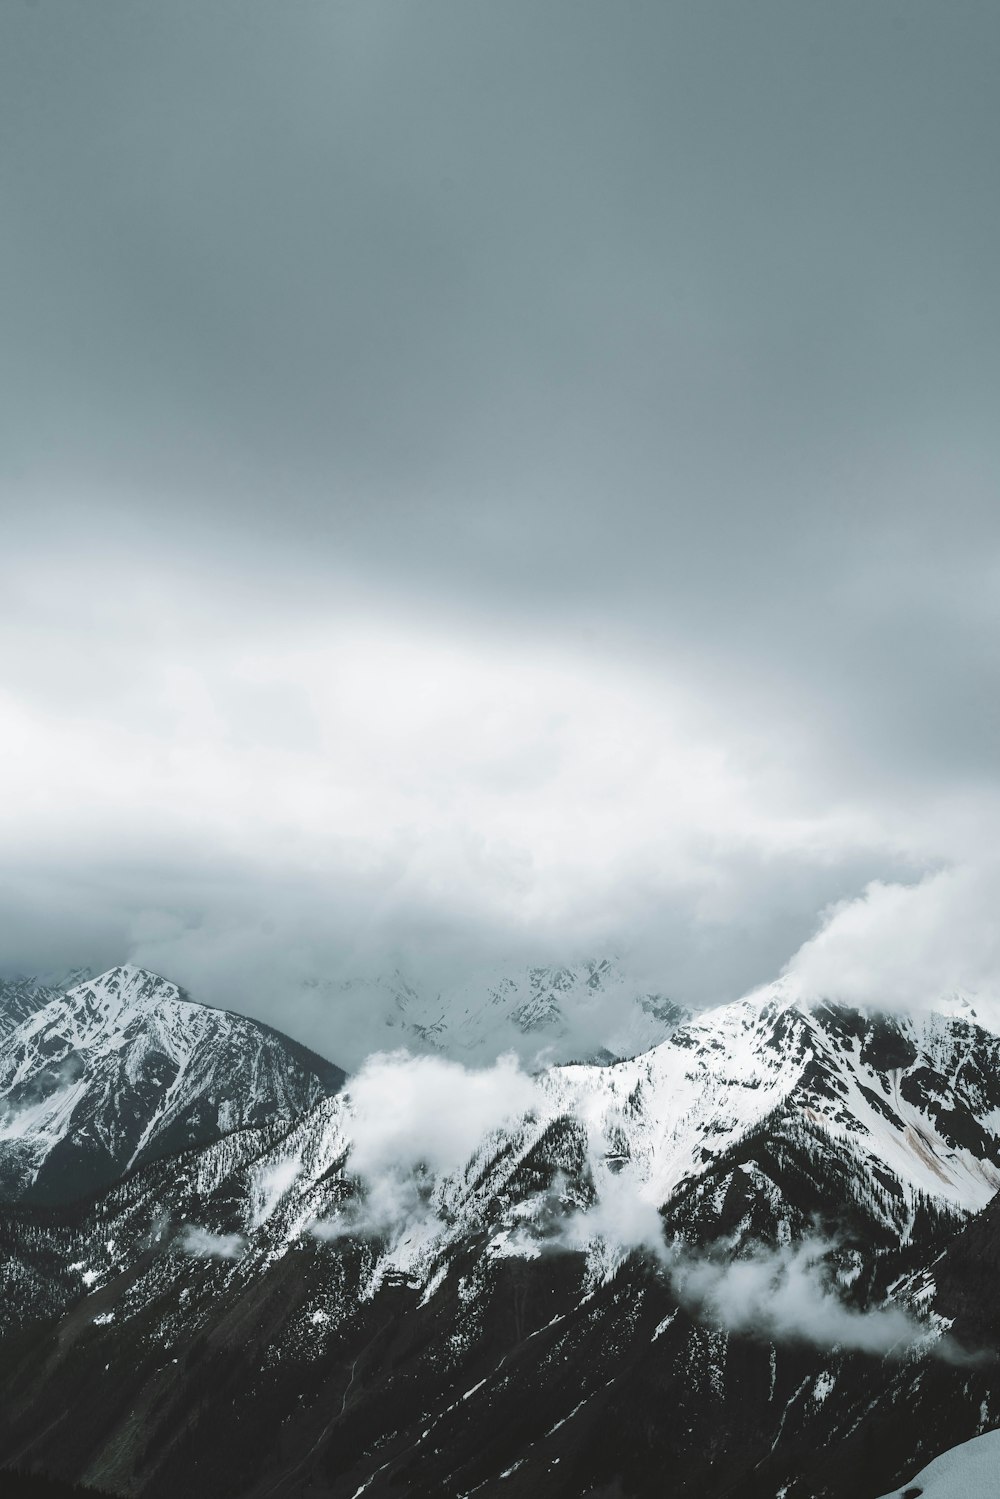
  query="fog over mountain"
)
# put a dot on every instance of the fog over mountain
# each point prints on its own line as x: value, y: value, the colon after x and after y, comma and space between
x: 495, y: 485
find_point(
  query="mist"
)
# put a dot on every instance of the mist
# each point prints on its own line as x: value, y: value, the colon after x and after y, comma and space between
x: 472, y: 502
x: 201, y: 1243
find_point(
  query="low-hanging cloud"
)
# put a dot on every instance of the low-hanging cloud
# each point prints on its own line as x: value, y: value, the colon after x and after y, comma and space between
x: 390, y: 1204
x: 786, y: 1295
x: 414, y: 1119
x: 270, y: 1184
x: 202, y: 1243
x: 296, y: 851
x: 418, y: 1118
x: 428, y: 1111
x: 622, y: 1216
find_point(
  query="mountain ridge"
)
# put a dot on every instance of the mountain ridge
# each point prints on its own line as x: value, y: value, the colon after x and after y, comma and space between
x: 247, y: 1290
x: 120, y: 1067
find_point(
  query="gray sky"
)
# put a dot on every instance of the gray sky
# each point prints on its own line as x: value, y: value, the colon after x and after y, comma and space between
x: 496, y: 481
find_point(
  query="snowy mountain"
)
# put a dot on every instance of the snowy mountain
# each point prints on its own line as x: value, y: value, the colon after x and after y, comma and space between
x: 123, y: 1068
x: 914, y: 1100
x: 590, y: 1010
x: 760, y: 1259
x: 21, y: 997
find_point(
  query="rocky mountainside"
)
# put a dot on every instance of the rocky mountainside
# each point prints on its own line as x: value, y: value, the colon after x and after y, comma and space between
x: 759, y: 1259
x: 123, y: 1068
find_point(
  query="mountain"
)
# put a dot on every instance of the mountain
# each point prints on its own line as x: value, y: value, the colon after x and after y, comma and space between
x: 759, y: 1259
x: 21, y: 997
x: 124, y: 1068
x: 590, y: 1010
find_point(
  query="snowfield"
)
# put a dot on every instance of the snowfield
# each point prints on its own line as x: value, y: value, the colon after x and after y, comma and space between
x: 969, y: 1471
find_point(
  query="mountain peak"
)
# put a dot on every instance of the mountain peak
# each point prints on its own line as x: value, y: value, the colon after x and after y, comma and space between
x: 128, y: 984
x: 124, y: 1067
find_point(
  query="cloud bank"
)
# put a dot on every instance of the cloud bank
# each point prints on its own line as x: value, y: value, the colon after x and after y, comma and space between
x: 415, y: 1120
x: 426, y: 1111
x: 471, y: 504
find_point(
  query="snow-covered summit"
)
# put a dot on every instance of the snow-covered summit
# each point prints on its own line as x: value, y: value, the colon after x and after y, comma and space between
x: 124, y: 1067
x: 108, y: 1004
x: 915, y: 1097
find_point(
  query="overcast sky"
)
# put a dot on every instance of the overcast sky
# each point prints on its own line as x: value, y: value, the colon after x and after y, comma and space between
x: 500, y: 481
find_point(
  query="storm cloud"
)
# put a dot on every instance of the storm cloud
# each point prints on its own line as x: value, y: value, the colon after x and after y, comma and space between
x: 499, y: 483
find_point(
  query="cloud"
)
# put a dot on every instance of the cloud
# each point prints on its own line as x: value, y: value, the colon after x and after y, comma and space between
x: 270, y: 1184
x: 409, y: 1111
x: 621, y: 1216
x: 390, y: 1204
x: 785, y: 1295
x: 415, y: 1119
x: 245, y: 816
x: 906, y: 946
x: 202, y: 1243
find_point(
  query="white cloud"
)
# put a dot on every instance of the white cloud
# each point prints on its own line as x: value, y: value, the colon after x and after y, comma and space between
x: 428, y: 1111
x: 785, y: 1295
x: 249, y: 809
x: 622, y: 1216
x: 414, y: 1119
x: 202, y: 1243
x: 903, y: 946
x: 390, y: 1203
x: 270, y: 1185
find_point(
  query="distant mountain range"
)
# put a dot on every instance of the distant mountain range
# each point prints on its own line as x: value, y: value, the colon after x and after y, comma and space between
x: 21, y: 997
x: 759, y: 1258
x: 585, y: 1011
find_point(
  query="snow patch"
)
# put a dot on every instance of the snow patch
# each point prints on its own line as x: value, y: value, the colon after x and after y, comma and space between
x: 968, y: 1471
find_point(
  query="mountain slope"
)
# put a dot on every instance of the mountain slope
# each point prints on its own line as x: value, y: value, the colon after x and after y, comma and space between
x: 917, y: 1098
x: 240, y: 1320
x: 123, y: 1068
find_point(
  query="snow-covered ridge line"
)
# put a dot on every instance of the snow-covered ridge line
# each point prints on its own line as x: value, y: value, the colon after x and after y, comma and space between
x: 916, y: 1096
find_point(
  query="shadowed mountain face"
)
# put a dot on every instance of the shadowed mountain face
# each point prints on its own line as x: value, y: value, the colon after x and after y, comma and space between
x: 16, y: 1484
x: 124, y: 1068
x: 251, y: 1319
